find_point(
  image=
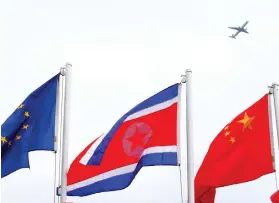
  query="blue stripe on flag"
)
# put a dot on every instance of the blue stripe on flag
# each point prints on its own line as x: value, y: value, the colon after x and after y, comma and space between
x: 122, y: 181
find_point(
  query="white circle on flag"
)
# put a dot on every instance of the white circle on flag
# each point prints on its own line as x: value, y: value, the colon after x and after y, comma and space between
x: 135, y: 138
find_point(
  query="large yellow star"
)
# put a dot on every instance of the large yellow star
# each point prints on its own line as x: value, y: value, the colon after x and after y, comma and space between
x: 246, y: 121
x: 3, y: 139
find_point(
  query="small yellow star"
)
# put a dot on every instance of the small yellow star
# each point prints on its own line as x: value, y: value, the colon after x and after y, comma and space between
x: 20, y: 106
x: 3, y: 139
x: 246, y: 121
x: 26, y: 114
x: 18, y: 137
x: 232, y: 140
x: 227, y: 133
x: 25, y: 126
x: 10, y: 143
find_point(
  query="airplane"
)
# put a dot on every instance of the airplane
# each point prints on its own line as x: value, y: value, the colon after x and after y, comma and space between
x: 239, y: 29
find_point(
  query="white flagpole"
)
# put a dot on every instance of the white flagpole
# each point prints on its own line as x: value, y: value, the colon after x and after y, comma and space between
x: 190, y: 138
x: 179, y: 139
x: 178, y: 125
x: 66, y: 73
x: 270, y: 115
x: 57, y: 130
x: 276, y: 106
x: 275, y: 93
x: 187, y: 78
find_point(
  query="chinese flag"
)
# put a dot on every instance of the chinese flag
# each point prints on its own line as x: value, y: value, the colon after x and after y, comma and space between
x: 241, y: 152
x: 275, y: 197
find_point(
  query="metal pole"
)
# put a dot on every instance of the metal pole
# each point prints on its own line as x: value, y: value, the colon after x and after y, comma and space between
x: 178, y: 125
x: 270, y: 115
x: 179, y: 140
x: 190, y: 138
x: 66, y: 73
x: 276, y: 107
x: 57, y: 131
x: 274, y: 91
x: 271, y: 132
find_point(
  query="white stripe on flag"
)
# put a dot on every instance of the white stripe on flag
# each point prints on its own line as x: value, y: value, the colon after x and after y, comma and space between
x: 152, y: 109
x: 84, y: 160
x: 120, y: 171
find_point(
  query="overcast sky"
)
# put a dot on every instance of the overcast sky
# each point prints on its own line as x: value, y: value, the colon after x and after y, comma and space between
x: 125, y: 51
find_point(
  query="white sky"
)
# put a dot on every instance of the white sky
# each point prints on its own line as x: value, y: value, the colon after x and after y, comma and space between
x: 123, y: 52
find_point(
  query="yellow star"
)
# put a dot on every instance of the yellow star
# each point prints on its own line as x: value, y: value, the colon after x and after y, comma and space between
x: 227, y: 133
x: 3, y: 139
x: 25, y: 126
x: 226, y: 128
x: 26, y: 114
x: 246, y: 121
x: 18, y: 137
x: 20, y: 106
x: 10, y: 143
x: 232, y: 140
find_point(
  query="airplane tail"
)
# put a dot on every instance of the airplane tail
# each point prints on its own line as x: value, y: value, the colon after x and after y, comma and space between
x: 232, y: 36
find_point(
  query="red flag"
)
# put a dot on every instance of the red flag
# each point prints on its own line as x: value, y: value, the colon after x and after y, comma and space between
x: 275, y: 197
x: 241, y: 152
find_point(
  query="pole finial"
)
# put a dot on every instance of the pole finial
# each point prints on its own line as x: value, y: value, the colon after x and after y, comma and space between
x: 273, y: 87
x: 270, y: 89
x: 63, y: 69
x: 184, y: 76
x: 68, y: 65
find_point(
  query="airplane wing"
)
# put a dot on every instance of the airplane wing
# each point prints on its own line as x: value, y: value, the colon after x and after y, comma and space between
x: 234, y: 28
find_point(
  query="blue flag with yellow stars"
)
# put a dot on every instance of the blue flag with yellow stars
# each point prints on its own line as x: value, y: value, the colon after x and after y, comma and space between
x: 30, y: 127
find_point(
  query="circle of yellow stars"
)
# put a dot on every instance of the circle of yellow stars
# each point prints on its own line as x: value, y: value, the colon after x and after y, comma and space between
x: 247, y: 123
x: 17, y: 137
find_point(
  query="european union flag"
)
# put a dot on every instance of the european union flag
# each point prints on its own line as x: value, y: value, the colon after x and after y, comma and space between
x: 30, y: 127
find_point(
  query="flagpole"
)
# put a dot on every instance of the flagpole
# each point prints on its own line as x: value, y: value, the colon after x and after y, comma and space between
x: 66, y: 73
x: 276, y: 109
x: 271, y: 132
x: 179, y: 139
x: 189, y: 135
x: 57, y: 130
x: 178, y: 125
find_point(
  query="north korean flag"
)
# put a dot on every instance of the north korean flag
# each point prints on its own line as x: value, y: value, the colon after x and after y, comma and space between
x: 144, y: 136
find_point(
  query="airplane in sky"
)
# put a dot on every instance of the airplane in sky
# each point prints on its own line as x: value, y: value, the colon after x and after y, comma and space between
x: 239, y: 29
